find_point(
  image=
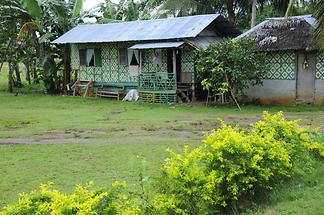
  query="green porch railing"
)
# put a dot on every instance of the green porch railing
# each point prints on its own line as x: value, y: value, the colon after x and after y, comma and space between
x: 157, y: 81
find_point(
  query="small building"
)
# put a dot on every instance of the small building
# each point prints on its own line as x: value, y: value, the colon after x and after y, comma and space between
x: 295, y: 61
x: 156, y: 57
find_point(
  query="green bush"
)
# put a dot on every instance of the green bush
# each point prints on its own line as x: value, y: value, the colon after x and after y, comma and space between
x: 233, y: 165
x: 230, y: 66
x: 82, y: 201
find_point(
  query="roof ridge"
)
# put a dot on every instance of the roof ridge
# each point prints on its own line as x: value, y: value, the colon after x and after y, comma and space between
x: 290, y: 17
x: 149, y: 20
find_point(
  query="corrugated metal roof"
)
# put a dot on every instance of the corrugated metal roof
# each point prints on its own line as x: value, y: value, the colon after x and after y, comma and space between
x: 157, y: 45
x: 158, y: 29
x: 202, y: 42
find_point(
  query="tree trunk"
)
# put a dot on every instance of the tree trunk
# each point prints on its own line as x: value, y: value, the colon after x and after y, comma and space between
x: 35, y: 75
x: 28, y: 73
x: 18, y: 78
x: 291, y: 2
x: 39, y: 52
x: 67, y: 66
x: 230, y: 10
x: 10, y: 78
x: 253, y: 15
x: 5, y: 54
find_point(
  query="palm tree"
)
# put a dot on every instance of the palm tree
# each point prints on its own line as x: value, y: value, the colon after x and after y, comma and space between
x: 253, y: 15
x: 319, y: 14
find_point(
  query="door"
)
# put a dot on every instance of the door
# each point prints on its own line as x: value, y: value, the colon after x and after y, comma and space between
x: 305, y: 77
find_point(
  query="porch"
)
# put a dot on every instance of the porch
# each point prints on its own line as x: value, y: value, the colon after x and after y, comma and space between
x: 160, y: 72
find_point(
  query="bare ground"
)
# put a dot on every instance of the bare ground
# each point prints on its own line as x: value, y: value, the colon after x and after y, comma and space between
x: 194, y: 131
x: 116, y: 136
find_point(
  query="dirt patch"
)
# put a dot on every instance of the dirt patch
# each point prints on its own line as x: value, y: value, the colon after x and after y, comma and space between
x: 121, y: 136
x: 115, y: 112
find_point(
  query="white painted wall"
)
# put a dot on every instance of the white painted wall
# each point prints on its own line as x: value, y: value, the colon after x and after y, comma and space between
x: 319, y: 91
x: 273, y: 92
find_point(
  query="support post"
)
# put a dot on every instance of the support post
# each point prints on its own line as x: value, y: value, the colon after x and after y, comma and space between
x: 140, y: 69
x: 140, y: 61
x: 174, y: 59
x: 193, y: 87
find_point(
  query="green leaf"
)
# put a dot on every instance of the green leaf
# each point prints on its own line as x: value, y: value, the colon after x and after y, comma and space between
x: 60, y: 9
x: 77, y: 8
x: 33, y: 8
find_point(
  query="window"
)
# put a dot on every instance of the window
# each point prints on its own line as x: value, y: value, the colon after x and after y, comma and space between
x: 83, y: 57
x: 90, y: 57
x: 133, y: 57
x: 123, y: 56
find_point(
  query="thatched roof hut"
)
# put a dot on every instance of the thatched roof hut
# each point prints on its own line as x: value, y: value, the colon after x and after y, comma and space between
x: 278, y: 34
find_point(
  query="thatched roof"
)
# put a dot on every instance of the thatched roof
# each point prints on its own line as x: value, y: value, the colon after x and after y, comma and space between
x: 275, y: 34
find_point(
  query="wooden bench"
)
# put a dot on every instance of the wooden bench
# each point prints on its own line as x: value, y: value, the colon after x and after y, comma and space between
x: 117, y: 92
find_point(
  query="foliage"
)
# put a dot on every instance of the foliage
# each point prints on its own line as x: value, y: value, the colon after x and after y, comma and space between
x: 84, y: 200
x: 319, y: 14
x: 38, y: 23
x: 231, y: 64
x: 234, y: 165
x: 237, y: 11
x: 126, y: 10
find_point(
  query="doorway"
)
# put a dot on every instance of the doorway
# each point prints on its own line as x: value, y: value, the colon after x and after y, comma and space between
x: 305, y: 83
x: 178, y: 63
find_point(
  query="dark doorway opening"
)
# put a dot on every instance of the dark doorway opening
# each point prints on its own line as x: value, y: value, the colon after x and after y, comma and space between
x: 178, y: 63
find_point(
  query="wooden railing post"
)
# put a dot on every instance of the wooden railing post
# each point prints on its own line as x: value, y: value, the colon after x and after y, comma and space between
x: 174, y: 59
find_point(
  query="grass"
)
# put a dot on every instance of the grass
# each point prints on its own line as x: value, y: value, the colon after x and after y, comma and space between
x: 24, y: 167
x: 117, y: 141
x: 305, y: 196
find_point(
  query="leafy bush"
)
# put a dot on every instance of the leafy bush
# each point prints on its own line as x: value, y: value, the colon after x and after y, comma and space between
x: 82, y: 201
x: 233, y: 165
x: 230, y: 66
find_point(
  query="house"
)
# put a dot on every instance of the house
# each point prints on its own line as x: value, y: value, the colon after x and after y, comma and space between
x: 295, y: 61
x: 156, y: 57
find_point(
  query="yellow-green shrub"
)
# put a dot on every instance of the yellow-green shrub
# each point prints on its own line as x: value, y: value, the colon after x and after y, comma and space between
x: 233, y: 164
x: 83, y: 201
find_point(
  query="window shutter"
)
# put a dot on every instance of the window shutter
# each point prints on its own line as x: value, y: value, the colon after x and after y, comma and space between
x: 123, y: 55
x: 98, y: 57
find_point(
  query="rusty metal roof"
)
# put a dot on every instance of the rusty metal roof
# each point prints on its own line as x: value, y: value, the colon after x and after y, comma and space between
x: 145, y: 30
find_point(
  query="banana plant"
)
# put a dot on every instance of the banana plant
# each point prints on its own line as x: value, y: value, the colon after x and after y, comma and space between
x: 53, y: 18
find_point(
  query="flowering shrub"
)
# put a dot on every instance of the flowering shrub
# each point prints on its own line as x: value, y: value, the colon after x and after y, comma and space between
x: 234, y: 164
x: 83, y: 201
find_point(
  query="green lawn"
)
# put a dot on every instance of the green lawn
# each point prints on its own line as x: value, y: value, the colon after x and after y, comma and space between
x: 71, y: 140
